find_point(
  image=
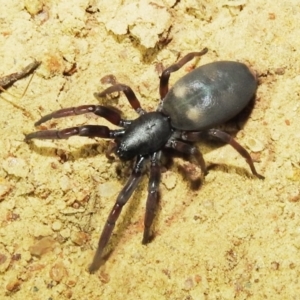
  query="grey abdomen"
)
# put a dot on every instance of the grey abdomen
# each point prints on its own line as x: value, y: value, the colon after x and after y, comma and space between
x: 209, y: 95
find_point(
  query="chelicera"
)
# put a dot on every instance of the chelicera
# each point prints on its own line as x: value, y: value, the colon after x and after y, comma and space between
x: 204, y: 98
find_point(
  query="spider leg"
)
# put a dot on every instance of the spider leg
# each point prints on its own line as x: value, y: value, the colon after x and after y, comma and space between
x: 86, y: 130
x: 164, y: 78
x: 130, y: 95
x: 226, y: 138
x: 190, y: 150
x: 122, y: 199
x: 153, y: 194
x: 105, y: 112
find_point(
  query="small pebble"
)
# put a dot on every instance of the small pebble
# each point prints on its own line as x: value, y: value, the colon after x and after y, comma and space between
x: 43, y: 246
x: 33, y: 6
x: 58, y: 272
x: 56, y: 225
x: 255, y: 145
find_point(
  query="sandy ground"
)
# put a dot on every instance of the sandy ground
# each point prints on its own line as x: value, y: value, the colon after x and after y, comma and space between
x: 236, y: 237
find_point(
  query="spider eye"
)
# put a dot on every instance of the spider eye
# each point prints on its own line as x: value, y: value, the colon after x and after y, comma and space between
x: 123, y: 152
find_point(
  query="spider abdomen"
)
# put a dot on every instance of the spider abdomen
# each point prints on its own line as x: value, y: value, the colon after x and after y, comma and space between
x: 145, y: 135
x: 209, y: 95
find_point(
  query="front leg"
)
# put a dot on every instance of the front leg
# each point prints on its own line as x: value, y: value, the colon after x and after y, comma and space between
x: 87, y: 130
x: 153, y: 193
x: 122, y: 199
x: 105, y: 112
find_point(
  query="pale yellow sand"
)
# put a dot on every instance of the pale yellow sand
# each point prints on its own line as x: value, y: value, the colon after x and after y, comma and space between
x: 236, y: 237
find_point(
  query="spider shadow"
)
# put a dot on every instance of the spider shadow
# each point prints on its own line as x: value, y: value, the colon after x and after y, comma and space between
x: 148, y: 55
x: 90, y: 150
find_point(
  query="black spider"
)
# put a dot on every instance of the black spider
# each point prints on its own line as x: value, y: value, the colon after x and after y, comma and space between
x: 206, y: 97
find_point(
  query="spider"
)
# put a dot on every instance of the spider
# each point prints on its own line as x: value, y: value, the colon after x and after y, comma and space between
x: 204, y: 98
